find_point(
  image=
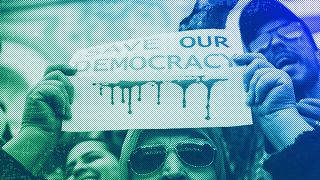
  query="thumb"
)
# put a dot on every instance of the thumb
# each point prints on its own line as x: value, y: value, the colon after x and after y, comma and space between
x: 309, y: 107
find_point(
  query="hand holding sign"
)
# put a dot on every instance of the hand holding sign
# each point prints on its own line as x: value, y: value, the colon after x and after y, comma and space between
x: 272, y: 99
x: 269, y: 89
x: 49, y: 102
x: 310, y: 108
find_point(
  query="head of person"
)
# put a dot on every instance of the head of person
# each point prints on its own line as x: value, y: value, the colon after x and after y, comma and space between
x: 91, y: 158
x: 227, y: 4
x: 270, y: 28
x: 13, y: 89
x: 208, y: 14
x: 173, y: 154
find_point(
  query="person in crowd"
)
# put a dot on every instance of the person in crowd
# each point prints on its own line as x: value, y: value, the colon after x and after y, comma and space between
x: 91, y: 157
x: 100, y: 165
x: 173, y: 154
x: 269, y: 28
x: 47, y: 104
x: 282, y: 81
x: 41, y: 128
x: 13, y: 88
x: 208, y: 14
x: 245, y: 151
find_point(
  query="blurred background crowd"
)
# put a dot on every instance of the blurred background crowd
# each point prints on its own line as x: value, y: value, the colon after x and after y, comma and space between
x: 33, y: 31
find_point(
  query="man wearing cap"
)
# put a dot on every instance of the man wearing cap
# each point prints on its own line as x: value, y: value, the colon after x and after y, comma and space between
x: 282, y: 81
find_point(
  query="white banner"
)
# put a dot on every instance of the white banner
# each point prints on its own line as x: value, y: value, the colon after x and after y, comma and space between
x: 177, y: 80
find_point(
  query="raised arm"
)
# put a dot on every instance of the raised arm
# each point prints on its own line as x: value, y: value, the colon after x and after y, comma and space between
x: 47, y: 104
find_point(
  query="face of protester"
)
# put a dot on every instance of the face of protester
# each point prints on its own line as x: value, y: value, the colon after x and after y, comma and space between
x: 91, y: 160
x: 287, y: 47
x: 174, y: 165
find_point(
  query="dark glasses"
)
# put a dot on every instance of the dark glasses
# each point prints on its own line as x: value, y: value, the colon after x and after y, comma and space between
x: 193, y: 152
x: 289, y: 32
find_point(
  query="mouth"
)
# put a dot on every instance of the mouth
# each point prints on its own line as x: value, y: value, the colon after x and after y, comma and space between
x: 283, y: 60
x: 89, y: 176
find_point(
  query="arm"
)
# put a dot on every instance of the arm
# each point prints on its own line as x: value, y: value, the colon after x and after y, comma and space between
x: 47, y: 104
x: 298, y: 161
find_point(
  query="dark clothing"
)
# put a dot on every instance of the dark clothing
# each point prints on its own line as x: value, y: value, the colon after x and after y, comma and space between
x: 298, y: 161
x: 11, y: 168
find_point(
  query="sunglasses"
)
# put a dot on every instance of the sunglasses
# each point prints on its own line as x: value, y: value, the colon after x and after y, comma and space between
x: 288, y: 32
x: 193, y: 152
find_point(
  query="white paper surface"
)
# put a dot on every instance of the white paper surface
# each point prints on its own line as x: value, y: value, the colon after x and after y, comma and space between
x: 177, y: 80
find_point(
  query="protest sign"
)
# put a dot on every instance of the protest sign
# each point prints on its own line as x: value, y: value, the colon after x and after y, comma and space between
x: 176, y: 80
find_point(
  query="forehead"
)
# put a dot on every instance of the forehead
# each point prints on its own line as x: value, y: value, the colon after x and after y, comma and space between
x: 85, y: 147
x: 166, y: 136
x: 271, y: 26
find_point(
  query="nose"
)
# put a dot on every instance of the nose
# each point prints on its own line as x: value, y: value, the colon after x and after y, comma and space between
x: 277, y: 44
x: 173, y: 168
x: 79, y: 169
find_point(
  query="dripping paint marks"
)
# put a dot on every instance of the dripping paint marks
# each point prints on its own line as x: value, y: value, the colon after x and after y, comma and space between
x: 183, y: 84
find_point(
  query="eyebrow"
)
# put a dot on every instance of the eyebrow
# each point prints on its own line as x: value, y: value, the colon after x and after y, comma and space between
x: 84, y: 156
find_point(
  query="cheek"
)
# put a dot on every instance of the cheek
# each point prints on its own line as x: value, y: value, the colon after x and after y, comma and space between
x: 108, y: 167
x: 152, y: 176
x: 202, y: 173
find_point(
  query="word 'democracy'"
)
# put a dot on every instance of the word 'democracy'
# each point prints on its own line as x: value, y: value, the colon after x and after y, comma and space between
x: 161, y: 81
x: 156, y: 62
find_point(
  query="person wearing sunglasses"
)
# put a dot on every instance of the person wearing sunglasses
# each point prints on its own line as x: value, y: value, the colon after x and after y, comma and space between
x: 282, y: 81
x: 173, y: 154
x: 269, y: 28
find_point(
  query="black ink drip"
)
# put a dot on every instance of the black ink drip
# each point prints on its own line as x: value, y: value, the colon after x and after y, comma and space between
x: 209, y: 84
x: 127, y: 85
x: 140, y: 84
x: 158, y: 83
x: 184, y: 84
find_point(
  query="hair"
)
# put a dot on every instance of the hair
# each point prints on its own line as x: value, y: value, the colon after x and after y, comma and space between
x: 214, y: 135
x: 259, y: 12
